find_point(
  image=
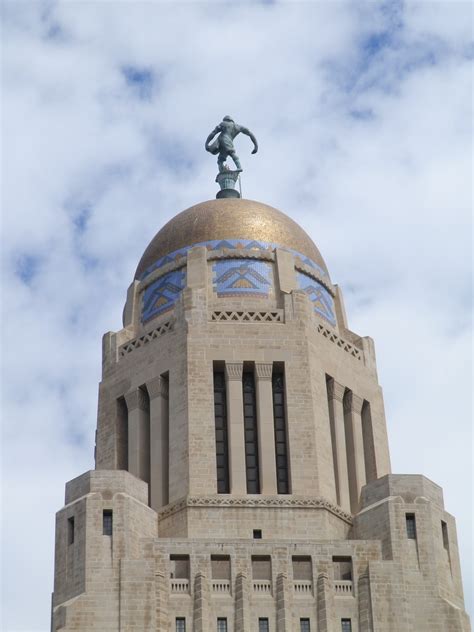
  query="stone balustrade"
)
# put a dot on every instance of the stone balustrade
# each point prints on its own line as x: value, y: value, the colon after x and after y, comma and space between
x: 221, y: 586
x: 343, y: 588
x: 262, y: 586
x: 303, y: 587
x: 179, y: 586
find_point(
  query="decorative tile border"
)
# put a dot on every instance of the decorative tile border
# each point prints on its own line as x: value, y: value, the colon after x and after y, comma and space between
x: 161, y: 295
x: 270, y: 502
x: 233, y: 244
x: 242, y: 277
x: 323, y: 303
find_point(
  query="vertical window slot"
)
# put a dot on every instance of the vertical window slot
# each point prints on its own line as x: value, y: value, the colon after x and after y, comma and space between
x: 251, y: 434
x: 281, y: 445
x: 222, y: 442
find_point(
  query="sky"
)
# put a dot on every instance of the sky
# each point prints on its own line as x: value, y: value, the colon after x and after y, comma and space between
x: 363, y: 113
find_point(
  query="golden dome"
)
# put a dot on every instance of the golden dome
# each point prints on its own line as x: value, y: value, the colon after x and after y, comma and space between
x: 226, y: 219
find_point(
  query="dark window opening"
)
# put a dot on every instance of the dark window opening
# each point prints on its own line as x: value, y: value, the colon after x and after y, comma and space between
x: 70, y: 530
x: 251, y: 434
x: 122, y: 434
x: 304, y: 625
x: 444, y: 531
x: 342, y: 568
x: 261, y: 567
x: 263, y: 625
x: 411, y: 526
x: 220, y: 567
x: 346, y: 625
x: 179, y: 566
x: 107, y: 523
x: 257, y: 534
x: 220, y: 417
x: 180, y: 624
x: 279, y: 420
x: 221, y: 624
x: 302, y: 568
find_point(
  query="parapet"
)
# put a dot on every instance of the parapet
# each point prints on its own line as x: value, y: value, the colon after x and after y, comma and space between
x: 108, y: 483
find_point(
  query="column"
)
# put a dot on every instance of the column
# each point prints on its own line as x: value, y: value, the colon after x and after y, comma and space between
x: 365, y: 608
x: 138, y: 434
x: 242, y: 603
x: 336, y: 410
x: 161, y: 601
x: 283, y: 606
x: 159, y: 442
x: 266, y: 430
x: 355, y: 447
x: 201, y: 604
x: 325, y: 604
x: 235, y: 427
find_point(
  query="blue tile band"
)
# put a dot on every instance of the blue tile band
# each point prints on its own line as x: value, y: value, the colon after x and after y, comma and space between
x: 242, y: 277
x: 161, y: 295
x: 323, y: 303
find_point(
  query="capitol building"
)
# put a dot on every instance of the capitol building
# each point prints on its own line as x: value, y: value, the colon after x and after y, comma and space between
x: 242, y: 477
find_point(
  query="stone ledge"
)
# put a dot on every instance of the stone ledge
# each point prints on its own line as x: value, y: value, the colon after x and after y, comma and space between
x: 107, y: 482
x: 264, y: 502
x: 408, y: 487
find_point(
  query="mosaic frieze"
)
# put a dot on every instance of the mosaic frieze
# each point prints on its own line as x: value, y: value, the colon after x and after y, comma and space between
x: 322, y: 301
x: 242, y: 277
x: 233, y: 244
x: 162, y: 294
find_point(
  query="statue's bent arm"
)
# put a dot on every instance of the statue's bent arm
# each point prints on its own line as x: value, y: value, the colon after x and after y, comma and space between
x: 248, y: 133
x: 212, y: 134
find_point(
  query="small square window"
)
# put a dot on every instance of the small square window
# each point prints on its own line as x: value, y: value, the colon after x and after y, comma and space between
x: 304, y: 625
x: 107, y: 524
x: 346, y: 625
x: 263, y: 625
x: 70, y: 530
x: 221, y: 624
x: 411, y: 526
x: 257, y: 534
x: 180, y: 624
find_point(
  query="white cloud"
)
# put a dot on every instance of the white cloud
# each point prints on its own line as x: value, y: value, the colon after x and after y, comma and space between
x: 364, y: 119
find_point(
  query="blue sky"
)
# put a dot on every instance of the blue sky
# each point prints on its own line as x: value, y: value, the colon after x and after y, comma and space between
x: 363, y: 112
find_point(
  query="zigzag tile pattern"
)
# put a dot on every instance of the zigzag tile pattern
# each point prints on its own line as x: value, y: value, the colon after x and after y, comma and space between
x: 238, y: 244
x: 161, y: 295
x: 242, y: 277
x: 323, y: 303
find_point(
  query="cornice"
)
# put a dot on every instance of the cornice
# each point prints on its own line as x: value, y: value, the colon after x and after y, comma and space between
x: 267, y: 502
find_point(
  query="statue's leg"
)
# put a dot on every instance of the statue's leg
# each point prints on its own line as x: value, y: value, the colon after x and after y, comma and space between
x: 236, y: 160
x: 220, y: 161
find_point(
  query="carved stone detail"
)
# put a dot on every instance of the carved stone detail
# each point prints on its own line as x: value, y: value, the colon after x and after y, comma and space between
x: 353, y: 403
x: 270, y: 502
x: 158, y: 387
x: 136, y: 343
x: 330, y: 335
x: 336, y: 391
x: 240, y: 316
x: 136, y: 398
x: 234, y: 370
x: 263, y: 370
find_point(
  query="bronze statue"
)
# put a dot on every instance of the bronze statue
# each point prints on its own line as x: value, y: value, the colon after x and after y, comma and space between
x: 224, y: 145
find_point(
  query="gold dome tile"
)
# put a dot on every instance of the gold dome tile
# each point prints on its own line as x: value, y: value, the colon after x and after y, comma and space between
x: 223, y: 219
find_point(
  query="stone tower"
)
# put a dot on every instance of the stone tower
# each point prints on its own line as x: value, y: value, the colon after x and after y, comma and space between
x: 243, y: 477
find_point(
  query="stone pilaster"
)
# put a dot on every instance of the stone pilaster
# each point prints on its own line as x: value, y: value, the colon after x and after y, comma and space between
x: 161, y: 601
x: 355, y: 447
x: 283, y: 606
x: 365, y: 607
x: 266, y: 430
x: 336, y: 411
x: 242, y: 603
x: 159, y: 441
x: 325, y: 604
x: 235, y: 424
x: 201, y: 604
x: 285, y: 263
x: 138, y: 434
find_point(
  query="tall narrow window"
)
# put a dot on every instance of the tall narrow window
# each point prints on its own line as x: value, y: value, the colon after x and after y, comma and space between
x: 222, y: 449
x: 346, y: 625
x: 304, y: 625
x: 281, y: 448
x: 121, y: 434
x: 369, y: 444
x: 221, y: 624
x: 411, y: 526
x: 251, y: 436
x: 70, y: 530
x: 263, y: 624
x: 180, y: 624
x: 444, y: 531
x: 107, y: 524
